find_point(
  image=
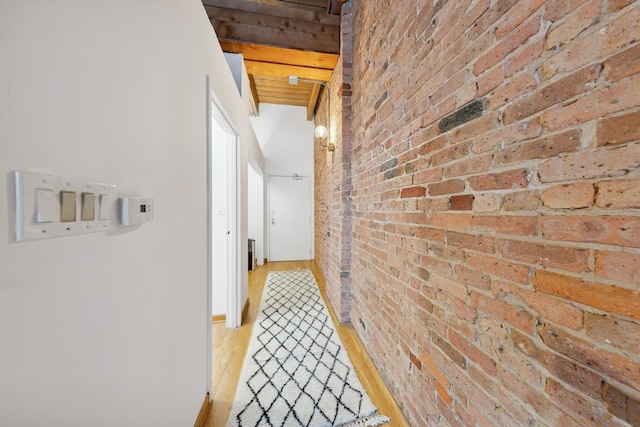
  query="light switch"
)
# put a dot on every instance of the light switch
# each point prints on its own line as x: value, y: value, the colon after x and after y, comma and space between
x: 105, y: 207
x: 67, y: 206
x: 88, y: 211
x: 45, y: 210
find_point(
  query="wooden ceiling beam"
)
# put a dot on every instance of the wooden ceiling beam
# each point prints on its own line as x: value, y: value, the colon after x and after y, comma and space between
x: 259, y: 28
x: 313, y: 100
x: 277, y: 8
x: 279, y: 55
x: 279, y: 70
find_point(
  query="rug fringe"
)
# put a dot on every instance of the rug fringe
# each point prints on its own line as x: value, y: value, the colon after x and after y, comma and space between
x: 372, y: 421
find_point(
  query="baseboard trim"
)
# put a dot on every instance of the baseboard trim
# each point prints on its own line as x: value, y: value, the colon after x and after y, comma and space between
x: 218, y: 318
x: 223, y: 317
x: 245, y: 310
x: 204, y: 412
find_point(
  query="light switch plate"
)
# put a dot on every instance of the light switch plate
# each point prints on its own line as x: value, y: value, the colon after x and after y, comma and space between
x: 32, y: 207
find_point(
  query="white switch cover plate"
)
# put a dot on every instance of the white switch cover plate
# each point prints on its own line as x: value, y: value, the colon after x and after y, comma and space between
x: 38, y: 217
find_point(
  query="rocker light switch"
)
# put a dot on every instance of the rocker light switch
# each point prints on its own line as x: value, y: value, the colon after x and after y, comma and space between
x: 88, y: 212
x: 105, y: 207
x: 67, y: 206
x: 45, y: 211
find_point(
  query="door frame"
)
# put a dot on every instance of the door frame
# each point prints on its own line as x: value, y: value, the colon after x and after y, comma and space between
x: 215, y: 109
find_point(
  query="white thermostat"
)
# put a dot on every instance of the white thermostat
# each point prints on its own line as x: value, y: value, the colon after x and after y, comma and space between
x: 136, y: 210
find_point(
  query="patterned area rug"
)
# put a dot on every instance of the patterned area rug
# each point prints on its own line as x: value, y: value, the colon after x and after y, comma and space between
x: 297, y: 372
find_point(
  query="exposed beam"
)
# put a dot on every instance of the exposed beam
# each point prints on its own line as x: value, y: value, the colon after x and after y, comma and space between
x: 277, y: 8
x: 279, y: 55
x: 313, y: 100
x: 278, y: 70
x: 274, y: 30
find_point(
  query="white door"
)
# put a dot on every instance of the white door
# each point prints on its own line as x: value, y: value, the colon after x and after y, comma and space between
x: 290, y: 224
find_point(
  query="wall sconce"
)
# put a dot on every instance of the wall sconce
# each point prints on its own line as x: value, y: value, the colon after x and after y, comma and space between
x: 321, y: 132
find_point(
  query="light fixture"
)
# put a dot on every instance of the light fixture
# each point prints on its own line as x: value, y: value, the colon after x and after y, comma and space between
x: 321, y: 132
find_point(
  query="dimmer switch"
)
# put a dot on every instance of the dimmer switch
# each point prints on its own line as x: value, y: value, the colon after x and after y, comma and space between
x: 88, y: 207
x: 68, y: 206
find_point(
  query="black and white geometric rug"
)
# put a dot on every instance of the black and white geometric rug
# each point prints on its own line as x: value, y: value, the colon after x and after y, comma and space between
x: 297, y: 372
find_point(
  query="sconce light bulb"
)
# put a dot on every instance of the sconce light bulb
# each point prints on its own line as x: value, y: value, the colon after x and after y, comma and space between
x: 321, y: 132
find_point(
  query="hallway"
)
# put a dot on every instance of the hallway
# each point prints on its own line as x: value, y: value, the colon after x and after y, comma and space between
x: 230, y: 345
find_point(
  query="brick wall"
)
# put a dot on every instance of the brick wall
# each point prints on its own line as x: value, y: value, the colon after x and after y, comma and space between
x: 333, y: 181
x: 495, y: 230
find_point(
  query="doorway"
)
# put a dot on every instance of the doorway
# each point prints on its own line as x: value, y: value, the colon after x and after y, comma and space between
x: 290, y: 225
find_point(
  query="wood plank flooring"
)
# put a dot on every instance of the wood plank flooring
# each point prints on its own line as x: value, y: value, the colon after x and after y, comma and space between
x: 230, y: 347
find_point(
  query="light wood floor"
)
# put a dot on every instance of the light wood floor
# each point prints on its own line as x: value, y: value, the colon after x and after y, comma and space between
x: 230, y: 346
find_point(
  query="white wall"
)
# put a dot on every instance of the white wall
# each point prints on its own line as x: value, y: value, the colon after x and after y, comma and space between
x: 286, y: 139
x: 110, y: 329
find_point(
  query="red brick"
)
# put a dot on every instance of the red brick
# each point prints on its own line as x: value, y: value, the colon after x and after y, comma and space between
x: 461, y: 203
x: 612, y: 299
x: 432, y: 367
x: 506, y: 46
x: 585, y: 410
x: 512, y: 89
x: 511, y: 314
x: 619, y: 129
x: 516, y: 16
x: 524, y: 57
x: 612, y: 99
x: 503, y: 224
x: 474, y: 128
x: 469, y: 166
x: 454, y: 221
x: 542, y: 148
x: 413, y: 192
x: 517, y: 178
x: 554, y: 10
x: 613, y: 331
x: 478, y: 243
x: 521, y: 201
x: 490, y: 81
x: 569, y: 196
x: 618, y: 194
x: 575, y: 23
x: 612, y: 230
x: 575, y: 375
x: 498, y: 267
x: 623, y: 64
x: 591, y: 164
x: 449, y: 350
x: 451, y: 153
x: 586, y: 354
x: 465, y: 311
x: 526, y: 345
x: 619, y: 266
x: 446, y: 187
x: 615, y: 5
x: 548, y: 307
x: 451, y: 287
x: 471, y: 277
x: 505, y: 135
x: 565, y: 258
x: 552, y: 94
x: 473, y: 353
